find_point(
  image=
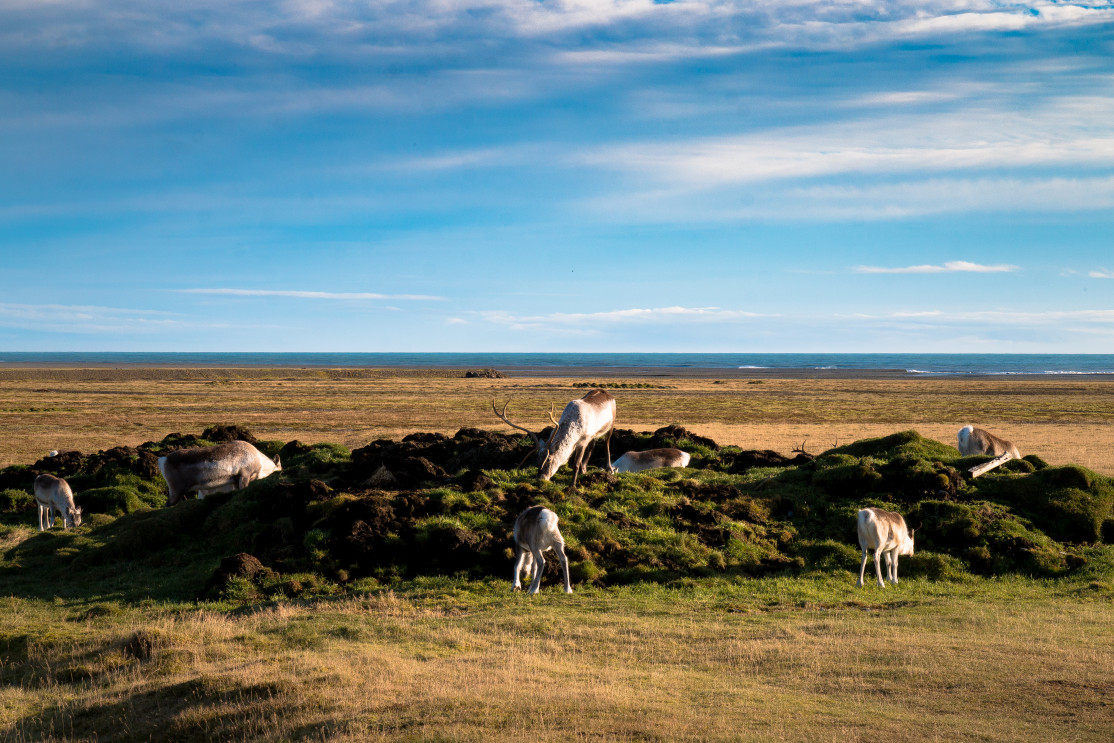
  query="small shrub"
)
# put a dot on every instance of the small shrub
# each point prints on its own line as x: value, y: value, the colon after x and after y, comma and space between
x: 585, y: 571
x: 115, y: 500
x: 1037, y: 462
x: 830, y: 554
x: 15, y: 501
x: 934, y: 566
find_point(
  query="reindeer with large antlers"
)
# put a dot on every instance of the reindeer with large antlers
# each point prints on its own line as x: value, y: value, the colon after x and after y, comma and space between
x: 580, y: 424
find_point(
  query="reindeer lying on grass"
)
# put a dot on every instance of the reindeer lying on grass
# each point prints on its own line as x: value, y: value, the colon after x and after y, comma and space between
x: 535, y: 531
x: 980, y: 441
x: 636, y: 461
x: 53, y: 494
x: 214, y: 469
x: 883, y: 533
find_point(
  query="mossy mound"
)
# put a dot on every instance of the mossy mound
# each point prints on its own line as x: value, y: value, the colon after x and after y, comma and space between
x: 1069, y: 503
x: 436, y: 504
x: 906, y: 444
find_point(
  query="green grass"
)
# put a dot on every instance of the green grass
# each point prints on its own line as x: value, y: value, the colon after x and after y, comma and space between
x: 441, y: 658
x: 709, y: 604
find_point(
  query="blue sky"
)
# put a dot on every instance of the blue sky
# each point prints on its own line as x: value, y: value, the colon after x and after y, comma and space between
x: 590, y: 175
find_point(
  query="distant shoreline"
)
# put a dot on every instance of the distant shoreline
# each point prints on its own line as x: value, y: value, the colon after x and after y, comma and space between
x: 579, y: 372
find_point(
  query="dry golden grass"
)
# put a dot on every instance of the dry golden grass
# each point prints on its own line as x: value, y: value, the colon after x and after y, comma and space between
x: 43, y: 409
x: 593, y: 666
x: 806, y: 659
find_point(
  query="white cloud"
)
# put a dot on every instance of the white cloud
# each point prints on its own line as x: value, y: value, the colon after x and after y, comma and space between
x: 1101, y: 273
x: 948, y: 267
x: 297, y: 294
x: 358, y: 31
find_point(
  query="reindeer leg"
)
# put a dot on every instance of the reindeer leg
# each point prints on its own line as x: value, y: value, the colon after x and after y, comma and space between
x: 564, y: 567
x: 539, y: 569
x: 522, y: 560
x: 862, y: 568
x: 607, y: 450
x: 878, y: 566
x: 893, y: 567
x: 588, y: 448
x: 576, y: 467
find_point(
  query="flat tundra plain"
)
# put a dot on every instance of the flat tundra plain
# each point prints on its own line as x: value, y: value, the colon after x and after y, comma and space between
x: 1062, y: 421
x: 792, y: 658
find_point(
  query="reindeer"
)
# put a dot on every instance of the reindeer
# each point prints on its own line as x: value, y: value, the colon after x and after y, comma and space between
x: 214, y: 469
x: 535, y: 531
x: 884, y: 533
x: 581, y: 423
x: 636, y: 461
x: 53, y: 494
x: 979, y: 441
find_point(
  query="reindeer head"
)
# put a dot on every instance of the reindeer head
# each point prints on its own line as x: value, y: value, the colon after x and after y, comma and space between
x: 907, y: 544
x: 541, y: 445
x: 73, y: 515
x: 270, y: 466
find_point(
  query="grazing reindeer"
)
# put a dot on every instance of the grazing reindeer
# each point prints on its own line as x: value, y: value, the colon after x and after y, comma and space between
x: 535, y: 531
x: 979, y: 441
x: 636, y: 461
x: 884, y: 533
x: 54, y: 494
x: 214, y: 469
x: 581, y: 423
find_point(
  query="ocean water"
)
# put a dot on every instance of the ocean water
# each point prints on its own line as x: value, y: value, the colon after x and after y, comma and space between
x: 916, y: 364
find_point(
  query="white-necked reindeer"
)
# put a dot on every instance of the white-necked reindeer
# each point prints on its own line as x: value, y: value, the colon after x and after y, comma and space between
x: 636, y: 461
x: 535, y: 531
x: 884, y: 533
x: 581, y: 423
x: 980, y: 441
x: 214, y: 469
x: 53, y: 494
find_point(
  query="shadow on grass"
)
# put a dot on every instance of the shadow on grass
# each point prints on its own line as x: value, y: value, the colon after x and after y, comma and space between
x: 203, y: 708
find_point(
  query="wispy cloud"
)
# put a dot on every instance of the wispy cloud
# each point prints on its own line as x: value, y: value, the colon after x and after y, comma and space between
x: 61, y: 318
x: 899, y: 144
x: 911, y: 197
x: 588, y: 321
x: 948, y: 267
x: 1101, y: 273
x: 298, y: 294
x: 991, y: 317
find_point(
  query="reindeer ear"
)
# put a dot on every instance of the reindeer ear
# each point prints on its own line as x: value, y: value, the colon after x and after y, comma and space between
x: 278, y: 461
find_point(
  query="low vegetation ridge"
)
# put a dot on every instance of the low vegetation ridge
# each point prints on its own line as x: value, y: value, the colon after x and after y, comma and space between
x: 334, y: 521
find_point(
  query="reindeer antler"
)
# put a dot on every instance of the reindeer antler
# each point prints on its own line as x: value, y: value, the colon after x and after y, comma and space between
x: 504, y: 418
x: 553, y: 417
